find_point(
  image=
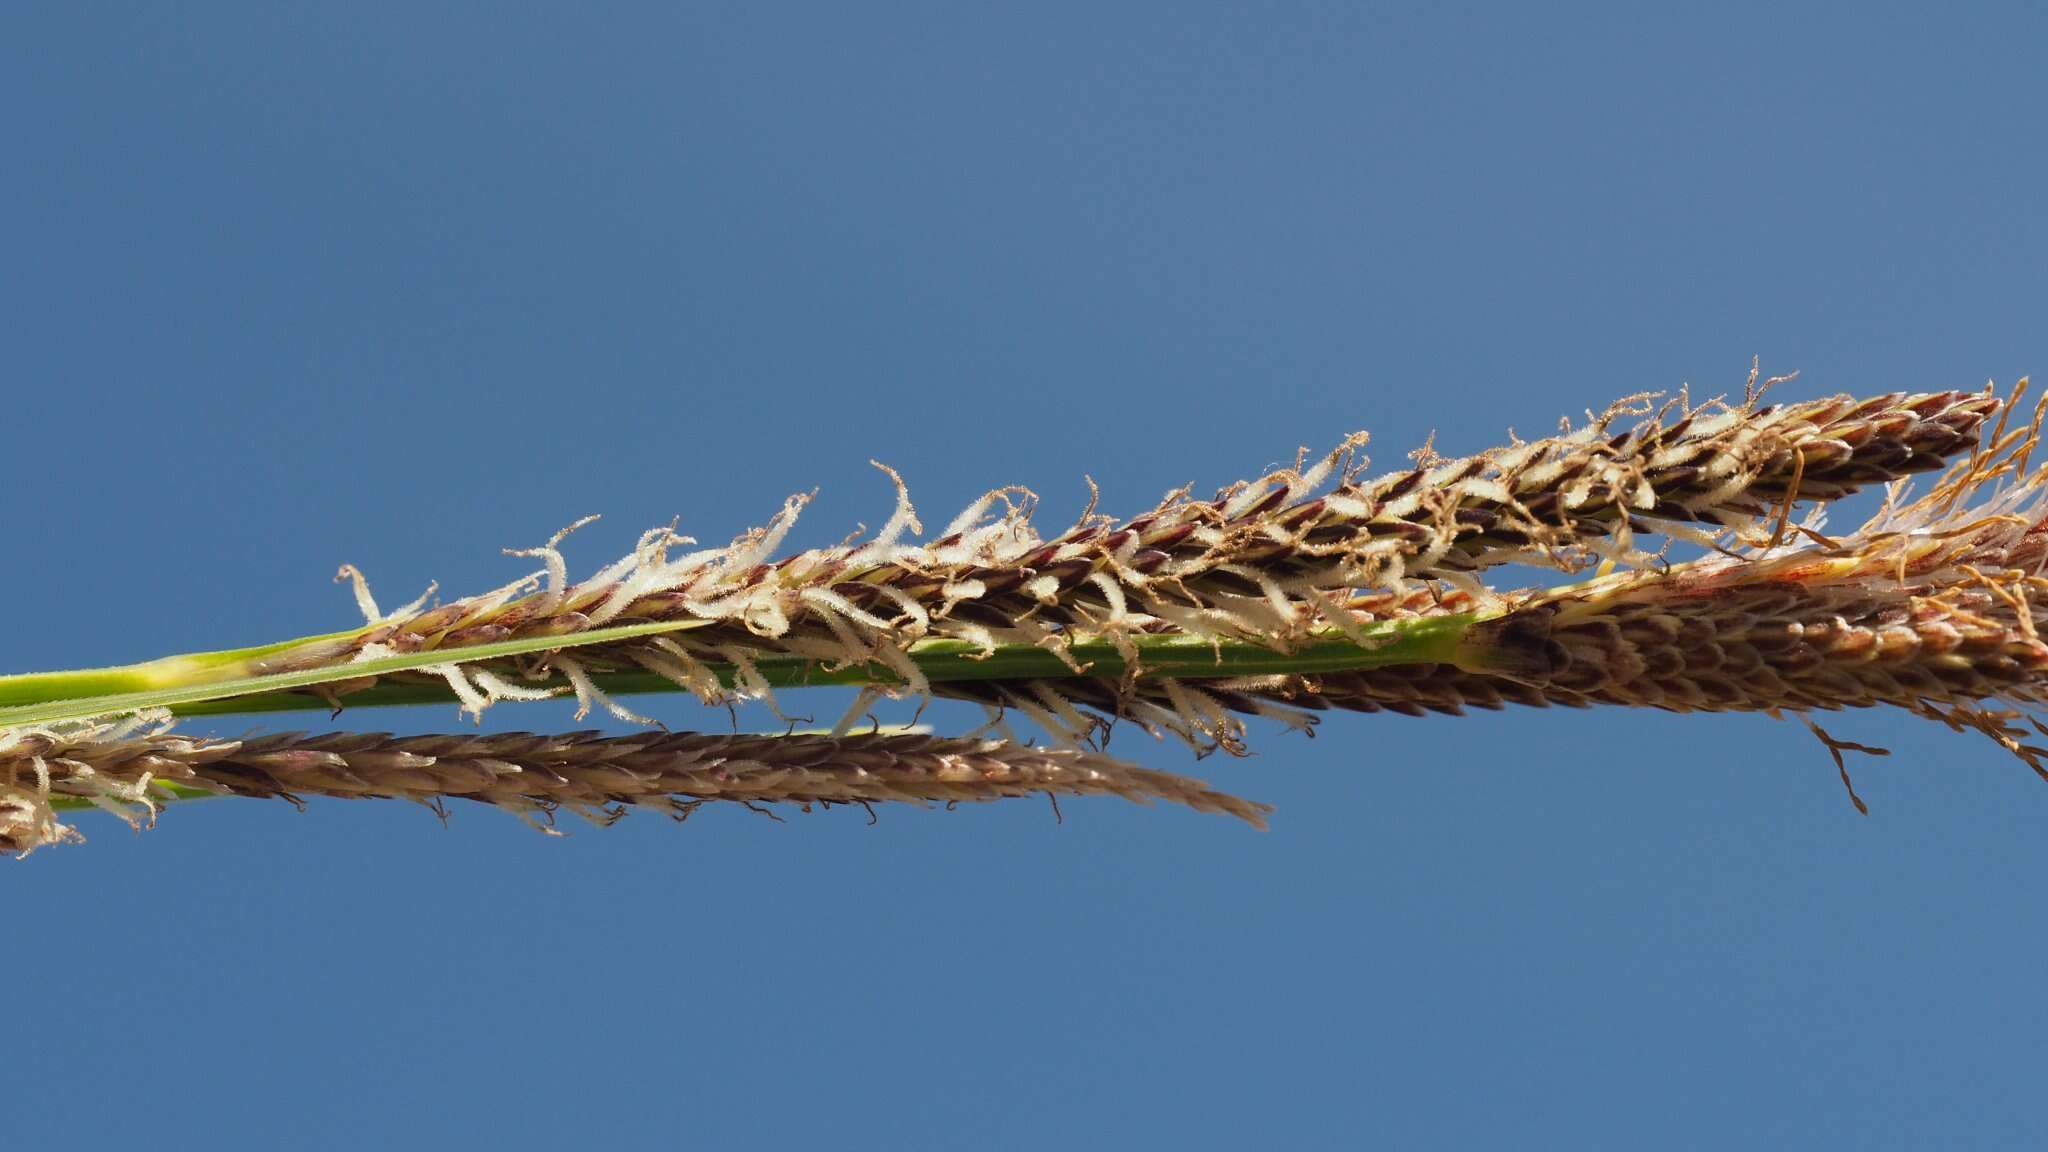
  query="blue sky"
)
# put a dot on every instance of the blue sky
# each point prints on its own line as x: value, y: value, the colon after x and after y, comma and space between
x: 402, y: 286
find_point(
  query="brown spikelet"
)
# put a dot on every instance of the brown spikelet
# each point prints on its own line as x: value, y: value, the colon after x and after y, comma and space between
x: 595, y: 776
x: 1266, y: 561
x: 1691, y: 643
x: 1936, y: 607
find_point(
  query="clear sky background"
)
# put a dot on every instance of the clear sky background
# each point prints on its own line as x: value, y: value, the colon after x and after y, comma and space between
x: 287, y: 286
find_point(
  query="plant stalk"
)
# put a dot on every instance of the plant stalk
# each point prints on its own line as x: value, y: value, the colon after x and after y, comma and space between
x: 201, y: 684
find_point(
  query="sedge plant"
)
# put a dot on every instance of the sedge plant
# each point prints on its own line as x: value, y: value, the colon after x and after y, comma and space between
x: 1313, y: 588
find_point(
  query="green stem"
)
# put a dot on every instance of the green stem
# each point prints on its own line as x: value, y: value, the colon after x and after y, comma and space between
x: 182, y: 682
x: 190, y: 670
x: 213, y: 683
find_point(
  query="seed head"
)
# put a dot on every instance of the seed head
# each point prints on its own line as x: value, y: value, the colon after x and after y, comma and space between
x: 597, y: 777
x: 1270, y: 561
x: 1937, y: 606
